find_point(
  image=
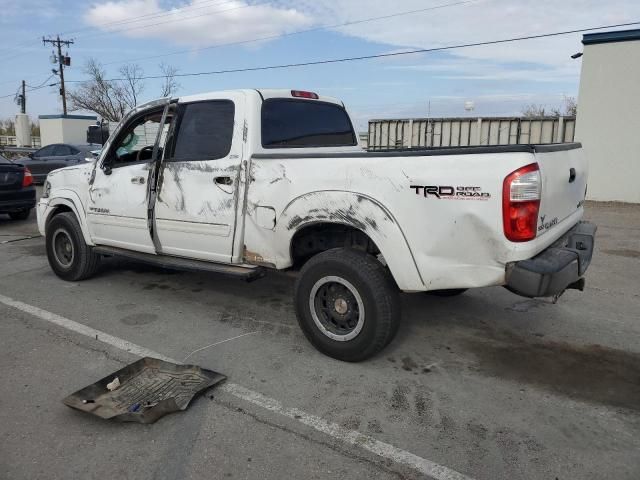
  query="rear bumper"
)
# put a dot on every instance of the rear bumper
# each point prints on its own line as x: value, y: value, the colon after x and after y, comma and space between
x: 13, y: 200
x: 555, y: 269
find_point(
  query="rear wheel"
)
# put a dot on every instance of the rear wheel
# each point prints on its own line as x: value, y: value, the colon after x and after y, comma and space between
x: 68, y: 254
x: 347, y: 304
x: 20, y: 214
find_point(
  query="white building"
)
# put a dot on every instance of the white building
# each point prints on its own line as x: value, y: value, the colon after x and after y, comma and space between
x: 608, y: 121
x: 64, y: 128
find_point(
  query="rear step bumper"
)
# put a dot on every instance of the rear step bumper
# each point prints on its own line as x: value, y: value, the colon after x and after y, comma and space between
x: 557, y: 268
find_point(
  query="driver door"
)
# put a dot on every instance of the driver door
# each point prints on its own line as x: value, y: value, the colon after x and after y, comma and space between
x: 117, y: 204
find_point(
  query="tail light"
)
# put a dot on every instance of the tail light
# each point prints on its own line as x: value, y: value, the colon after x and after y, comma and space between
x: 27, y: 178
x: 521, y: 192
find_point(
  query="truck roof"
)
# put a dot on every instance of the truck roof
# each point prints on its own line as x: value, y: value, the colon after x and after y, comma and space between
x: 265, y: 93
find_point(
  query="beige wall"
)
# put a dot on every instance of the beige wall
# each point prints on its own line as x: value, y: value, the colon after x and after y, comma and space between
x: 608, y: 122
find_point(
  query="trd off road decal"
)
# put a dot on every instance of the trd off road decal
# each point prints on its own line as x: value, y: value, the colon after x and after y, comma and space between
x: 447, y: 192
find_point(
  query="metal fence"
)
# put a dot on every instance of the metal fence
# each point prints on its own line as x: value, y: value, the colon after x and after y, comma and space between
x: 10, y: 141
x: 460, y: 132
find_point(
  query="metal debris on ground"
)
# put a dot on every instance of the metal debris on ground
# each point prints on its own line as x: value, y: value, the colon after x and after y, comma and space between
x: 147, y: 390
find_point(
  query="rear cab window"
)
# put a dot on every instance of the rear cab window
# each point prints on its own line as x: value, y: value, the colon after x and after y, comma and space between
x: 293, y: 123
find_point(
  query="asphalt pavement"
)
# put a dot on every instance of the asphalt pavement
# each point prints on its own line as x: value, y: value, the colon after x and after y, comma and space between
x: 487, y: 385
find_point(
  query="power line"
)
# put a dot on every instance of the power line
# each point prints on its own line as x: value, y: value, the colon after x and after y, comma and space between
x: 198, y: 6
x: 119, y: 22
x: 30, y: 90
x: 380, y: 55
x: 283, y: 35
x: 314, y: 29
x: 42, y: 84
x: 174, y: 20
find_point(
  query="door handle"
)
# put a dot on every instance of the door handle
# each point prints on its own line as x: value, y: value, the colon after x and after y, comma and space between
x: 137, y: 180
x: 572, y: 175
x: 223, y: 181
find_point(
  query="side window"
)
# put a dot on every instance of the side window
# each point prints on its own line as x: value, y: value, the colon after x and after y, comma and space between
x: 205, y: 130
x: 61, y: 150
x: 45, y: 151
x: 135, y: 143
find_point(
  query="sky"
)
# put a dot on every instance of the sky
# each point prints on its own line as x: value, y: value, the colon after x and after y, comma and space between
x: 209, y: 35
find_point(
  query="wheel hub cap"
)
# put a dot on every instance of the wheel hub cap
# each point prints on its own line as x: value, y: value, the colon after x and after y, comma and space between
x: 63, y: 248
x: 341, y: 306
x: 337, y: 308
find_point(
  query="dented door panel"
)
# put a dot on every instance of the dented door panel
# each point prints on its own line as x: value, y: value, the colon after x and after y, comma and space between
x: 196, y: 207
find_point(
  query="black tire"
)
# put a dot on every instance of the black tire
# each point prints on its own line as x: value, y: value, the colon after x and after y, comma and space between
x: 378, y: 296
x: 20, y: 214
x: 450, y: 292
x: 69, y: 256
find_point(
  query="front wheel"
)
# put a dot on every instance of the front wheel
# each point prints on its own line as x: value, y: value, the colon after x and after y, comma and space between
x: 68, y: 254
x: 347, y: 304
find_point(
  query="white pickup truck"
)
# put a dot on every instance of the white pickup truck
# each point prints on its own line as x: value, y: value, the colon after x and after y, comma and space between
x: 238, y: 182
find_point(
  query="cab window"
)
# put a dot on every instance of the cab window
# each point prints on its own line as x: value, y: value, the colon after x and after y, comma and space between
x: 205, y: 130
x: 135, y: 143
x: 289, y: 123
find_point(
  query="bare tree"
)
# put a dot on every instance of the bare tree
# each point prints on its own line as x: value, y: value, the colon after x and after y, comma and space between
x: 568, y: 108
x: 169, y: 83
x: 532, y: 111
x: 35, y: 129
x: 112, y: 98
x: 131, y: 83
x: 7, y: 127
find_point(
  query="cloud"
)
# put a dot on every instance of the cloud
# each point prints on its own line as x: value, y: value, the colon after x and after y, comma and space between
x: 196, y: 23
x: 478, y: 21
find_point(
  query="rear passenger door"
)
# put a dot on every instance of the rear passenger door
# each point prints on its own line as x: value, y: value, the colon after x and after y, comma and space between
x: 200, y: 187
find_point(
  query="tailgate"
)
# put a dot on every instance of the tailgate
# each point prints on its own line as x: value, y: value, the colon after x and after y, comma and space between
x: 564, y: 173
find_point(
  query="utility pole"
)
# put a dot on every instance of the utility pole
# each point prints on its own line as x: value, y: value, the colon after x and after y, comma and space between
x: 62, y: 62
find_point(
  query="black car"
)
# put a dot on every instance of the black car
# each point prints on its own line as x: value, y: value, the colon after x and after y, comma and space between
x: 17, y: 194
x: 56, y: 155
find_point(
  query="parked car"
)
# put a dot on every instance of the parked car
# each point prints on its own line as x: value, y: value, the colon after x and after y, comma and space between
x: 56, y: 155
x: 240, y: 181
x: 17, y: 194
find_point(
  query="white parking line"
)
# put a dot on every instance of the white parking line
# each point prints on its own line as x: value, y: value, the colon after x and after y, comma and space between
x: 352, y: 437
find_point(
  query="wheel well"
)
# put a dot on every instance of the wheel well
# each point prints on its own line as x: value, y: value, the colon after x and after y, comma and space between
x: 319, y: 237
x: 58, y: 210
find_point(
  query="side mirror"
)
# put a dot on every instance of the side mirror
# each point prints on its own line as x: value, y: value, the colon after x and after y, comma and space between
x: 30, y: 154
